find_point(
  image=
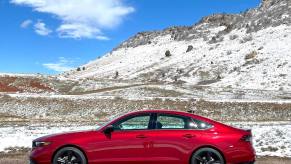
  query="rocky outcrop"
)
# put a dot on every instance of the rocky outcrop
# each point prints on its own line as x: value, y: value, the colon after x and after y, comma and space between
x: 270, y: 13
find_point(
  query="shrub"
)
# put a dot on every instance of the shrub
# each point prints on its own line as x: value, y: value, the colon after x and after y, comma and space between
x: 246, y: 39
x: 190, y: 48
x: 205, y: 38
x: 116, y: 75
x: 251, y: 55
x: 233, y: 37
x: 213, y: 40
x: 168, y: 53
x: 216, y: 39
x: 84, y: 68
x: 180, y: 71
x: 228, y: 28
x: 229, y: 52
x: 78, y: 69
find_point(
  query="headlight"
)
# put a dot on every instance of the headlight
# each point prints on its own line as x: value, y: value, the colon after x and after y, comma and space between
x: 36, y: 144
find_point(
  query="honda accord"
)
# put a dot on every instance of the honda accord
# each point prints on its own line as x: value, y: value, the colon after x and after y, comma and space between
x: 149, y: 137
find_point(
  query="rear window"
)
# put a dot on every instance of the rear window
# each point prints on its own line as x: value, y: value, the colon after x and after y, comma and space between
x: 199, y: 125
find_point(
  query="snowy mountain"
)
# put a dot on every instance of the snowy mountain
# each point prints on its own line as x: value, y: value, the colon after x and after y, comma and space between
x: 250, y: 50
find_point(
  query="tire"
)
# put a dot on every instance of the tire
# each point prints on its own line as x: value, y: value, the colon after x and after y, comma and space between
x: 207, y: 156
x: 69, y: 155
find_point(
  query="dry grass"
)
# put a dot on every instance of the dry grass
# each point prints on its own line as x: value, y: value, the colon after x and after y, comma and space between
x: 273, y: 160
x: 14, y: 158
x: 90, y: 109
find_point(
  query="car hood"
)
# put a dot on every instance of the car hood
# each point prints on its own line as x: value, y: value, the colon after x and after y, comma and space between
x: 60, y: 136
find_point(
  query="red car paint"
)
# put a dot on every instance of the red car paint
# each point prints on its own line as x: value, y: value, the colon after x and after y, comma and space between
x: 155, y: 146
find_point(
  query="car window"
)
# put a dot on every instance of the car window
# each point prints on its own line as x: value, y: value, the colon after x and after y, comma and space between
x: 197, y: 124
x: 170, y: 122
x: 140, y: 122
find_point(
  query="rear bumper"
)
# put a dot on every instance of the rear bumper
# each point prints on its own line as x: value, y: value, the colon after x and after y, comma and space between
x: 241, y: 155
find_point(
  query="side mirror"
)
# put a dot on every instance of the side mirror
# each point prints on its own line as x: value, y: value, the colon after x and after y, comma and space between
x: 109, y: 129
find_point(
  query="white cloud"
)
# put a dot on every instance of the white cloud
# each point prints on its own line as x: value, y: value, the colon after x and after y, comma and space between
x: 61, y: 65
x: 82, y: 19
x: 41, y: 29
x: 26, y: 23
x: 80, y: 31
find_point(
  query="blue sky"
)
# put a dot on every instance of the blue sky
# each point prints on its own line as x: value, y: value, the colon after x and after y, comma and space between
x: 49, y: 36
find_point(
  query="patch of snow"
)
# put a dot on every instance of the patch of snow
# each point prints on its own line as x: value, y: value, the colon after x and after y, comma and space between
x: 22, y: 136
x: 269, y: 138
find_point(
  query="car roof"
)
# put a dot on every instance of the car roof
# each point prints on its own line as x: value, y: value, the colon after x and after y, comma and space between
x: 160, y: 111
x: 175, y: 112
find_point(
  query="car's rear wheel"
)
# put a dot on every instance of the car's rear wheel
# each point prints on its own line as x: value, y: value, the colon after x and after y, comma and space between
x: 207, y: 156
x: 69, y: 155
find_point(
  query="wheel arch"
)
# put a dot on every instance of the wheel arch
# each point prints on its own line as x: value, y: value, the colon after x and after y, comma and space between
x: 207, y: 146
x: 69, y: 145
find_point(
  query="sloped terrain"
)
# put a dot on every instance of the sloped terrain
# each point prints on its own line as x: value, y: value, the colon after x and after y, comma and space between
x: 248, y: 50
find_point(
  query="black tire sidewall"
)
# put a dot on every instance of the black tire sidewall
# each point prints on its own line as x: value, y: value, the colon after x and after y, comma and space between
x: 75, y: 150
x: 209, y: 150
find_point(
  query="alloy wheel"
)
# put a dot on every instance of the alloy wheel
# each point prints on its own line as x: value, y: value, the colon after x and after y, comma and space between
x: 207, y: 156
x: 69, y: 156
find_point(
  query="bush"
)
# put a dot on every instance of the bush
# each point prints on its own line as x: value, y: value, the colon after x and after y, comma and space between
x: 233, y: 37
x: 84, y: 68
x: 205, y: 38
x: 116, y: 75
x: 78, y: 69
x: 251, y: 55
x: 246, y: 39
x: 168, y: 53
x: 228, y: 28
x: 190, y: 48
x: 216, y: 39
x: 229, y: 52
x: 213, y: 40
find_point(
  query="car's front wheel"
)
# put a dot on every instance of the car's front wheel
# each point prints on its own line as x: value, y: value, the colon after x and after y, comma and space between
x: 207, y: 156
x: 69, y: 155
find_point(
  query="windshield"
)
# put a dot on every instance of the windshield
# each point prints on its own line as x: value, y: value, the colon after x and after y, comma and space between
x: 108, y: 120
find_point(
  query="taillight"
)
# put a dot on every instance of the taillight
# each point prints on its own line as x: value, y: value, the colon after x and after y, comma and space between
x: 246, y: 138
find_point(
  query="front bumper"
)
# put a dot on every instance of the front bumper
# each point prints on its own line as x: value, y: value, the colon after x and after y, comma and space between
x: 41, y: 155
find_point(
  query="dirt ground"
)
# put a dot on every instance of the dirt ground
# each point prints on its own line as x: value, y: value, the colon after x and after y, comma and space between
x: 22, y: 158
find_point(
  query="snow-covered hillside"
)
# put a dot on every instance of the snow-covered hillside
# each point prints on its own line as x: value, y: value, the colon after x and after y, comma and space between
x: 248, y: 51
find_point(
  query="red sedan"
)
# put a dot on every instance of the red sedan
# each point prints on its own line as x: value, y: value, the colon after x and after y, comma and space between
x: 149, y: 137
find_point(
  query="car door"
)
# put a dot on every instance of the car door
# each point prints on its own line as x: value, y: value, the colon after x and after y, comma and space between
x: 173, y: 139
x: 128, y: 143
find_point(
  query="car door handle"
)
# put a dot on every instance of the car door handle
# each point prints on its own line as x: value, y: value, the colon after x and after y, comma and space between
x: 188, y: 136
x: 141, y: 136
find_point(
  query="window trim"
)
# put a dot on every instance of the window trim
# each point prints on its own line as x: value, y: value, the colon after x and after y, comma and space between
x: 150, y: 122
x: 187, y: 118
